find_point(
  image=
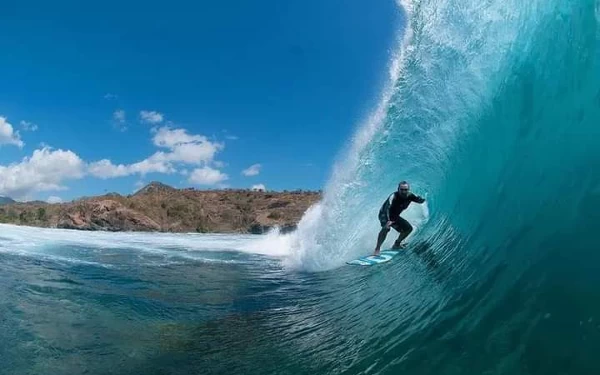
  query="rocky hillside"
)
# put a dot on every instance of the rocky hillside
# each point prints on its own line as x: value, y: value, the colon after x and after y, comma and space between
x: 158, y: 207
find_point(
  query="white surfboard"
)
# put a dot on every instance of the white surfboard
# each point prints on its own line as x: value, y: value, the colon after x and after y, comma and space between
x: 371, y: 260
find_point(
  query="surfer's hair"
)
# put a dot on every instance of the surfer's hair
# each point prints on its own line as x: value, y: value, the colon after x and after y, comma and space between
x: 403, y: 183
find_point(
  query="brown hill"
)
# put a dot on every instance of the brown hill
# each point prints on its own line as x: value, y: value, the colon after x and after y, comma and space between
x: 159, y: 207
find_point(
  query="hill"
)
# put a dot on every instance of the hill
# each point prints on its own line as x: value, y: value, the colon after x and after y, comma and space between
x: 6, y: 200
x: 159, y: 207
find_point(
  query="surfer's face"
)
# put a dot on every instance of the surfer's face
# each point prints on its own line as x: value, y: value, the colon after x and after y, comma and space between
x: 403, y: 189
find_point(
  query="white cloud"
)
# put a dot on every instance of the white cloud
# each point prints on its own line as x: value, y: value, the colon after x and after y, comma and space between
x: 28, y: 126
x: 54, y: 199
x: 151, y: 165
x: 167, y: 137
x: 252, y: 170
x: 194, y: 153
x: 229, y: 135
x: 259, y: 187
x: 110, y: 96
x: 119, y: 116
x: 185, y: 148
x: 207, y: 176
x: 45, y: 170
x: 7, y: 134
x: 106, y: 169
x: 151, y: 117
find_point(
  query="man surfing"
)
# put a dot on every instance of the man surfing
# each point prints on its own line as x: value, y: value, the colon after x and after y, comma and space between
x: 389, y: 215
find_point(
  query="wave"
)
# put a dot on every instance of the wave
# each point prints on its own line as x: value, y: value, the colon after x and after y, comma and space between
x: 487, y: 104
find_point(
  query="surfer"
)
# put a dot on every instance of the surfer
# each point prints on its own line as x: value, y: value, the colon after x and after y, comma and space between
x: 389, y: 215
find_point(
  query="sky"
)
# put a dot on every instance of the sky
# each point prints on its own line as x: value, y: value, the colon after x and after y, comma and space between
x: 109, y: 96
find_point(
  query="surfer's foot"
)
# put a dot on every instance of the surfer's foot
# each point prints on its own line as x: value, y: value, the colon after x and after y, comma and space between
x: 376, y: 252
x: 398, y: 246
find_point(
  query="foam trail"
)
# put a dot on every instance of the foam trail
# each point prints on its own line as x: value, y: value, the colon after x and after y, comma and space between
x: 76, y: 246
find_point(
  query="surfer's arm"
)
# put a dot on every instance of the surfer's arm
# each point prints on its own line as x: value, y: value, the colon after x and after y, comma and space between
x: 417, y: 199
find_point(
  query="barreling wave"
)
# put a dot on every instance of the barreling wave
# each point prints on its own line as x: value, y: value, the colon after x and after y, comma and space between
x: 492, y: 112
x: 490, y: 108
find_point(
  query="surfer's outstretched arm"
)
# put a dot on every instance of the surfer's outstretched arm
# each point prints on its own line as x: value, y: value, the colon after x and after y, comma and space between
x: 417, y: 199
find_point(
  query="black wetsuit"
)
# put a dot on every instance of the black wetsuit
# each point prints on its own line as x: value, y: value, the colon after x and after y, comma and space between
x: 393, y: 207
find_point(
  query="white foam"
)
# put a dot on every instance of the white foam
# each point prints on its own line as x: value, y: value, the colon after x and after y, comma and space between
x: 52, y: 243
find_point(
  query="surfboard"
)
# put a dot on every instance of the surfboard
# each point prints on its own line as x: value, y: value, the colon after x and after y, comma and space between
x: 371, y: 260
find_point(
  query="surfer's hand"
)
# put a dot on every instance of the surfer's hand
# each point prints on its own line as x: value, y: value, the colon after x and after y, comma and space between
x: 389, y: 224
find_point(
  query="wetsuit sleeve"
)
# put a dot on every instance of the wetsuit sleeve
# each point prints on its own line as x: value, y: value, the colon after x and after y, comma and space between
x: 385, y: 209
x: 417, y: 199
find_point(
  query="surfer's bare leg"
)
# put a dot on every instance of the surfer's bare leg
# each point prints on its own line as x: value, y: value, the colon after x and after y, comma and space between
x: 380, y: 239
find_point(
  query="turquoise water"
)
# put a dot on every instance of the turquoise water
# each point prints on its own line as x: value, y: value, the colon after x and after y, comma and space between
x: 492, y: 113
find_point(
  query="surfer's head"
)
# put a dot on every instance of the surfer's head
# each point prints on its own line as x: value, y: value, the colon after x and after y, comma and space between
x: 403, y: 188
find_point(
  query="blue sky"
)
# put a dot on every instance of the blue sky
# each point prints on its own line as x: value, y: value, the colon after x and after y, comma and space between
x: 110, y: 96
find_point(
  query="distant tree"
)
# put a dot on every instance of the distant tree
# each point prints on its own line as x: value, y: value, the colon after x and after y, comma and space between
x: 41, y: 214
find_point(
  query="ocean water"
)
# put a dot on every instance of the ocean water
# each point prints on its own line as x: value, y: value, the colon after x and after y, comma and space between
x: 492, y: 112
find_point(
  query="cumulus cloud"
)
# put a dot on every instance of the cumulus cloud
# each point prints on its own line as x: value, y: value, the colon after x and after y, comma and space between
x: 151, y: 117
x: 168, y: 137
x: 105, y: 169
x: 54, y: 199
x: 259, y: 187
x: 45, y: 170
x: 207, y: 176
x: 252, y: 170
x: 8, y: 136
x: 28, y: 126
x: 119, y: 120
x: 182, y: 149
x: 48, y: 169
x: 119, y: 116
